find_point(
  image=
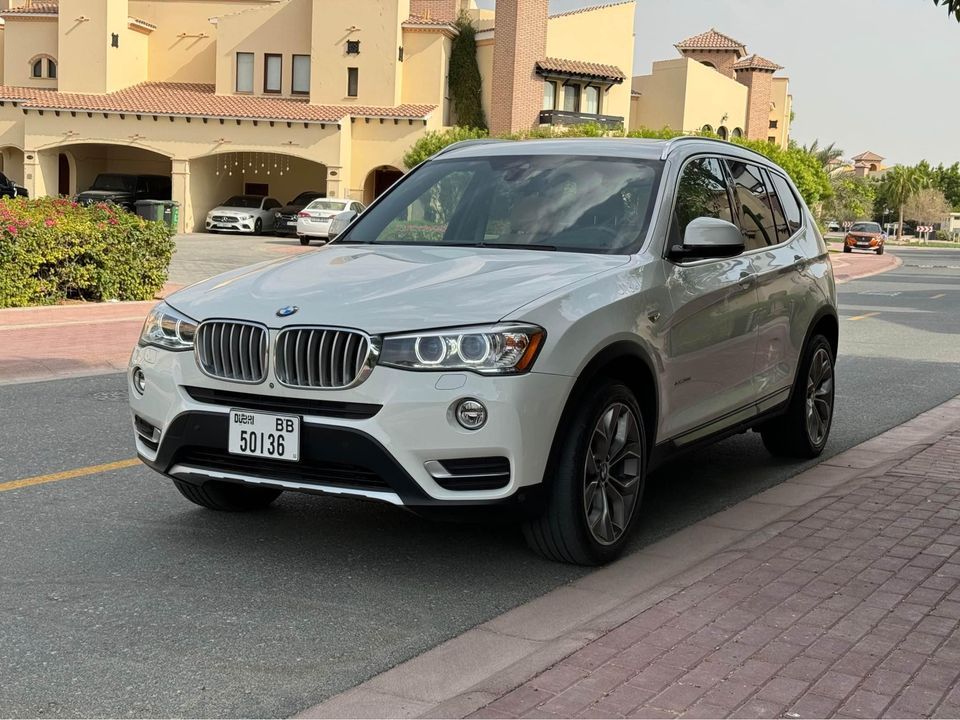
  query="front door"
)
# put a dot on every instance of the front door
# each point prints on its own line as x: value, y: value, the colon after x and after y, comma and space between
x: 711, y: 334
x: 63, y: 177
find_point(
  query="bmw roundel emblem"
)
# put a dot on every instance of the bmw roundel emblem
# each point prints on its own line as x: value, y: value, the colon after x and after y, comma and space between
x: 287, y: 311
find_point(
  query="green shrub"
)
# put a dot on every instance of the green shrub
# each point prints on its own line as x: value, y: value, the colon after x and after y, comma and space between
x: 53, y: 249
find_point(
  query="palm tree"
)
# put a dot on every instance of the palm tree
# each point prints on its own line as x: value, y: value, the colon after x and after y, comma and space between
x: 826, y: 155
x: 900, y: 184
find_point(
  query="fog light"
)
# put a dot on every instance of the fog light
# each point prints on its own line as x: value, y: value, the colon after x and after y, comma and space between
x: 471, y: 414
x: 139, y: 381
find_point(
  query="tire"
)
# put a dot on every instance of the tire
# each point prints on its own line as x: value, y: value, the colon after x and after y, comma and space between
x: 227, y: 497
x: 880, y: 250
x: 304, y: 240
x: 564, y: 532
x: 796, y: 433
x: 846, y: 249
x: 258, y: 227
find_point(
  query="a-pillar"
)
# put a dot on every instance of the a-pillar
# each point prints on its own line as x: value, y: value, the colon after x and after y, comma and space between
x: 180, y: 192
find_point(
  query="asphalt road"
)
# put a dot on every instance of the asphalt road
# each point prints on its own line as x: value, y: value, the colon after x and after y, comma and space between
x: 118, y: 598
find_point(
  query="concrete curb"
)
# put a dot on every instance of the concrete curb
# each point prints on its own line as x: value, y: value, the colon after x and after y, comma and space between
x: 467, y: 672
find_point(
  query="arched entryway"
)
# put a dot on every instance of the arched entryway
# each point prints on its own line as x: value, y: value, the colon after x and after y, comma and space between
x: 11, y: 163
x: 215, y: 178
x: 378, y: 181
x: 73, y: 168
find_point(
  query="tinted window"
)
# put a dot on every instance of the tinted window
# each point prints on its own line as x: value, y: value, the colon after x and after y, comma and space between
x: 575, y: 204
x: 305, y: 197
x: 791, y: 207
x: 701, y: 192
x: 779, y: 217
x: 124, y: 183
x: 865, y: 227
x: 244, y: 201
x: 757, y: 220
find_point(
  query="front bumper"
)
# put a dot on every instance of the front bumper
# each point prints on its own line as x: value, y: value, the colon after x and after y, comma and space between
x: 376, y: 440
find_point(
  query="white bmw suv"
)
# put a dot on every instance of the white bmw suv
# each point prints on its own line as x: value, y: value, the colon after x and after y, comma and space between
x: 532, y: 324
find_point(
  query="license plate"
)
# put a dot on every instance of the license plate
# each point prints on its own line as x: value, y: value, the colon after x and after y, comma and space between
x: 264, y: 435
x: 863, y: 243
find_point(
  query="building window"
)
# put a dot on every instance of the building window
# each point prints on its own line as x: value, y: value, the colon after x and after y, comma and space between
x: 353, y: 47
x: 244, y: 72
x: 737, y: 132
x: 272, y: 73
x: 51, y: 69
x: 549, y: 95
x: 571, y: 98
x: 37, y: 69
x: 301, y: 74
x: 591, y: 100
x: 722, y: 132
x: 773, y: 124
x: 772, y: 139
x: 114, y: 40
x: 353, y: 81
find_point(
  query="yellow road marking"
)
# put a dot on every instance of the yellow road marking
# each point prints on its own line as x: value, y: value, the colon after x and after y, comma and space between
x: 68, y: 474
x: 937, y: 297
x: 864, y: 316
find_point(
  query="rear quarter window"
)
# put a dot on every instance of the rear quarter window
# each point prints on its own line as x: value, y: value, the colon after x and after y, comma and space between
x: 789, y: 203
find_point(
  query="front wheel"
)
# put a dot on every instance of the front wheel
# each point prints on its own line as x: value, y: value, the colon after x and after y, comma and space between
x: 846, y: 249
x: 596, y: 480
x: 227, y: 497
x: 304, y: 240
x: 880, y: 250
x: 802, y: 431
x: 258, y: 227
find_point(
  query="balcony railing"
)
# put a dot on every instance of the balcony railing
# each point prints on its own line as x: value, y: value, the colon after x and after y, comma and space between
x: 566, y: 117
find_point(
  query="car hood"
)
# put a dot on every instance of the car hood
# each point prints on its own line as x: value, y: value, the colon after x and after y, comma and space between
x: 233, y: 210
x: 105, y: 194
x: 389, y: 288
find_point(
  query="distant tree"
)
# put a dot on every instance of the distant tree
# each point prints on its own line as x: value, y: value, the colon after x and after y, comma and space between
x: 899, y: 185
x: 826, y: 155
x: 927, y: 206
x: 464, y: 78
x: 952, y: 6
x: 947, y: 180
x: 852, y: 198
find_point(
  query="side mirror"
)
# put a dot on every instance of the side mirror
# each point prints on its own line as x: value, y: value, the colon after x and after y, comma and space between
x: 707, y: 237
x: 339, y: 223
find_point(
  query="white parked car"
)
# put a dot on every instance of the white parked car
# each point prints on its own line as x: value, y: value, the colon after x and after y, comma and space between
x: 313, y: 222
x: 525, y: 324
x: 244, y: 214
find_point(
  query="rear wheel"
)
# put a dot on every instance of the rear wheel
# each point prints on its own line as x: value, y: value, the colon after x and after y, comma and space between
x: 802, y: 431
x: 304, y: 240
x: 596, y: 479
x: 228, y: 497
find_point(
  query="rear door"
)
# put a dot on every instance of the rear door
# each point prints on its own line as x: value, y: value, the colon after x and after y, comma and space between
x: 770, y: 216
x: 712, y: 333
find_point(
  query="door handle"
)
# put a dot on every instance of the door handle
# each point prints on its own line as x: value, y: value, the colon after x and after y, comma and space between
x: 746, y: 280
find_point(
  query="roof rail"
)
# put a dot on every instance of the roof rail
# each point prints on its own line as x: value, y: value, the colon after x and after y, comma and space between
x: 682, y: 139
x: 465, y: 143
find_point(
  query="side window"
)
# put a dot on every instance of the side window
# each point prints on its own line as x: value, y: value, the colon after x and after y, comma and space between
x: 701, y: 192
x: 756, y: 215
x: 791, y: 207
x: 779, y: 218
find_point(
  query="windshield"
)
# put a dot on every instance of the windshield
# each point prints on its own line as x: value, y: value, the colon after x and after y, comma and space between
x: 304, y: 198
x: 865, y: 227
x: 244, y: 201
x: 327, y: 205
x: 549, y: 202
x: 123, y: 183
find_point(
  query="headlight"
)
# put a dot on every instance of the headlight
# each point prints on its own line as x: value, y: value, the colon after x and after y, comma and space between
x: 167, y: 328
x: 493, y: 350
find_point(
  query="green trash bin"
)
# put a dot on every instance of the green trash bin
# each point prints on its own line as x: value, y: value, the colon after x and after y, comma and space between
x: 171, y: 214
x: 150, y: 209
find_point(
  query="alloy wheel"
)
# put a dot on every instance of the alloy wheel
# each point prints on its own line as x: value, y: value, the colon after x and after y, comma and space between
x: 612, y: 473
x: 819, y: 396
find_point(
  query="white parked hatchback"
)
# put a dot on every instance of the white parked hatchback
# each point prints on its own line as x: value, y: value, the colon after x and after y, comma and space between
x: 532, y: 324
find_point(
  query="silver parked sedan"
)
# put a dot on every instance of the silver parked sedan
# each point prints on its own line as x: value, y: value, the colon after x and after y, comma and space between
x: 313, y: 222
x: 244, y: 214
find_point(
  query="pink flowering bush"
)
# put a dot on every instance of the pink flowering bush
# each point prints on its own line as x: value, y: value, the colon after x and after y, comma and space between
x: 52, y: 249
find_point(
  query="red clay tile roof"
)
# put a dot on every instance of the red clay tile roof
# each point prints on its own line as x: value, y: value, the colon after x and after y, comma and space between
x: 711, y: 40
x: 592, y: 8
x: 756, y: 62
x: 198, y: 100
x: 37, y: 8
x: 868, y: 157
x: 580, y: 68
x: 425, y: 23
x: 141, y: 23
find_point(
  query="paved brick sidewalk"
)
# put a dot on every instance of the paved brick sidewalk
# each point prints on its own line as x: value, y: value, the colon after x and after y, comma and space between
x: 851, y: 611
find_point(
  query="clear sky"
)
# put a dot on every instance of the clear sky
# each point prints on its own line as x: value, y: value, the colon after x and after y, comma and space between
x: 880, y: 75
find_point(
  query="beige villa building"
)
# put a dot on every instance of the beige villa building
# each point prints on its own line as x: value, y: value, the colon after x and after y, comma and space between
x: 715, y: 85
x: 281, y: 96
